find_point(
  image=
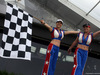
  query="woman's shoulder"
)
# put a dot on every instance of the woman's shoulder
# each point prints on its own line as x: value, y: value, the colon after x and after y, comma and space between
x: 81, y: 33
x: 91, y: 33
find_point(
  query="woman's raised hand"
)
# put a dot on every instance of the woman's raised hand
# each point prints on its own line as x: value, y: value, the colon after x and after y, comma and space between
x: 42, y: 22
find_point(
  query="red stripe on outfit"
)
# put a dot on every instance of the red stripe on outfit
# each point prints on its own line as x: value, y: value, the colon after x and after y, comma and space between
x: 82, y: 38
x: 83, y: 73
x: 91, y: 39
x: 52, y: 34
x: 47, y: 60
x: 78, y: 36
x: 75, y: 62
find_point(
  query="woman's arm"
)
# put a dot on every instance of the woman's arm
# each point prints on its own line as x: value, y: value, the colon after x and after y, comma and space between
x: 71, y: 32
x: 73, y: 44
x: 46, y: 25
x: 96, y: 33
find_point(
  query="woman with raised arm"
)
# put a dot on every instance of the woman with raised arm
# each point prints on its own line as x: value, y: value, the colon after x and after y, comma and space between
x: 83, y: 39
x: 52, y: 52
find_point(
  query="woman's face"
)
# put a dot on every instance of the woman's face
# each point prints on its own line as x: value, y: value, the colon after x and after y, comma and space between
x: 86, y: 29
x: 58, y: 24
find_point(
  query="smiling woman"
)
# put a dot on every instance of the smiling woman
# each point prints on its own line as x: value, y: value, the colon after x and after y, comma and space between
x: 53, y: 49
x: 84, y: 40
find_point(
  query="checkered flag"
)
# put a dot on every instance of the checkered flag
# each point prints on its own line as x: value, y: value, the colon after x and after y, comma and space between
x: 16, y: 38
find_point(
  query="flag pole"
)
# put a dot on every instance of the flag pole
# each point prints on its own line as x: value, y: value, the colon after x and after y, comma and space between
x: 37, y: 18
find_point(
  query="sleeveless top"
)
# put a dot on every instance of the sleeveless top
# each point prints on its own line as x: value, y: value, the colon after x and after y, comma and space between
x: 83, y: 41
x: 55, y: 34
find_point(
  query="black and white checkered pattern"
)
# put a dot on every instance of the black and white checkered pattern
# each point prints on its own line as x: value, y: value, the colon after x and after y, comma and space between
x: 16, y: 39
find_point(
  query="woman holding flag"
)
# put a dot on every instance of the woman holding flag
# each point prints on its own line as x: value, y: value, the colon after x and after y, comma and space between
x: 52, y: 52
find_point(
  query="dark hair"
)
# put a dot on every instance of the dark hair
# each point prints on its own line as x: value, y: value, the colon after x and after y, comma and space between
x: 87, y: 24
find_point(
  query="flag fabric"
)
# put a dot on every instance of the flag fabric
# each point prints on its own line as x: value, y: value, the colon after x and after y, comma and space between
x: 16, y: 38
